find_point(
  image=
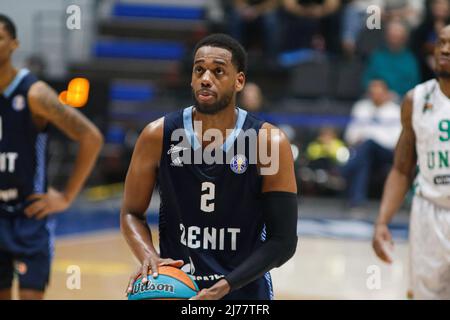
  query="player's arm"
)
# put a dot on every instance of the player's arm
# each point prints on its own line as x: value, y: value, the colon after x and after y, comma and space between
x: 294, y: 7
x: 139, y: 184
x: 44, y: 104
x: 398, y: 181
x: 256, y: 9
x: 279, y: 203
x: 266, y: 6
x: 328, y: 7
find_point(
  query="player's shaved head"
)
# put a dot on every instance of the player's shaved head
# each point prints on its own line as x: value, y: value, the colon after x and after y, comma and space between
x: 219, y: 40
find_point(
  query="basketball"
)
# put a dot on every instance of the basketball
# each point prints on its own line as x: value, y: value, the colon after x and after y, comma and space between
x: 171, y: 284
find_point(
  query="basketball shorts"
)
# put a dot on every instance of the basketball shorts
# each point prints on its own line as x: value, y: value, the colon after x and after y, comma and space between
x: 33, y: 271
x: 429, y: 250
x: 26, y: 248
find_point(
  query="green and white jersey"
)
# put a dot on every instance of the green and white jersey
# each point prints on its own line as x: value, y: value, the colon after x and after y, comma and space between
x: 431, y: 123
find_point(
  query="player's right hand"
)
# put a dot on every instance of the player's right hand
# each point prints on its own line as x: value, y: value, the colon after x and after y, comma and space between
x: 381, y: 242
x: 46, y: 204
x: 150, y: 265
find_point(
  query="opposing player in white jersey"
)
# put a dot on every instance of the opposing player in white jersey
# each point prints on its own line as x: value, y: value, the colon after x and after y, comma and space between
x: 423, y: 143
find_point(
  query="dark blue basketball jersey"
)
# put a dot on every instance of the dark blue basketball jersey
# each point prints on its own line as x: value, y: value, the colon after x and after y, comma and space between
x: 210, y: 214
x: 23, y: 160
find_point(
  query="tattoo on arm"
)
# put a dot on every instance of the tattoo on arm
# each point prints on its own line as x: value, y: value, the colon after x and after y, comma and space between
x: 45, y: 103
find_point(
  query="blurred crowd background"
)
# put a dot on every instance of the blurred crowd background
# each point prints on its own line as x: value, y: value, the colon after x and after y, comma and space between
x: 321, y: 70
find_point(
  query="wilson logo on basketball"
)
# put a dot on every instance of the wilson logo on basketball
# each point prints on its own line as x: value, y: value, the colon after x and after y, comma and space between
x: 150, y: 286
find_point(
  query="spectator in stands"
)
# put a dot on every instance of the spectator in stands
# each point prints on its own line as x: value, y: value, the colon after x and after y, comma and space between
x: 354, y: 19
x: 372, y: 134
x: 394, y: 62
x: 320, y: 173
x: 251, y: 97
x: 312, y: 24
x: 410, y: 11
x: 423, y: 38
x: 324, y: 151
x: 215, y: 16
x: 355, y: 14
x: 256, y: 19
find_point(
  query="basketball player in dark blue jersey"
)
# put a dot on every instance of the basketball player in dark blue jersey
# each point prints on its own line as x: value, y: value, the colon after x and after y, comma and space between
x: 27, y: 108
x: 225, y: 222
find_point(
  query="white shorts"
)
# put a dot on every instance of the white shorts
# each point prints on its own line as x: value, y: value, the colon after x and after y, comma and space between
x: 429, y: 241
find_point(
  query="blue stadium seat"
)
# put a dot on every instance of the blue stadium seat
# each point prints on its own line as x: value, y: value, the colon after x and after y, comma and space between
x: 131, y: 92
x: 157, y: 11
x: 138, y: 50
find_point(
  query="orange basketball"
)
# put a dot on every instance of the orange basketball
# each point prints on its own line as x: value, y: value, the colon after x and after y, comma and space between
x: 180, y: 275
x: 171, y: 283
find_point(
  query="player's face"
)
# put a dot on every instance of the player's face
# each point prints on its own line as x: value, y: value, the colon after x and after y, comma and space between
x: 442, y: 53
x: 215, y: 79
x: 7, y: 45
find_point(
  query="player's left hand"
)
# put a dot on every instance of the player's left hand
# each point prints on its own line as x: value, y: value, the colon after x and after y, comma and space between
x: 45, y: 204
x: 216, y: 292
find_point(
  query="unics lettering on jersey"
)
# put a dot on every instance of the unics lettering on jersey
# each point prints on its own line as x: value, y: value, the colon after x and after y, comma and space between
x: 437, y: 159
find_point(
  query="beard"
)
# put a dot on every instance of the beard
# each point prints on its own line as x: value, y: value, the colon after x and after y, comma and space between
x: 215, y: 107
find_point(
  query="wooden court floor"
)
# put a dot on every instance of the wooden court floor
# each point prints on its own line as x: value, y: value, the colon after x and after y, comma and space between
x: 321, y: 269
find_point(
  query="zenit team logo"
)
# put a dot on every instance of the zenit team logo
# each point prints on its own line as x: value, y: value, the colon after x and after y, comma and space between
x: 18, y: 102
x: 239, y: 164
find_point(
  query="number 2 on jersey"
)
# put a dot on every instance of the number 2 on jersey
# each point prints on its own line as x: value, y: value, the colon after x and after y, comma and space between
x: 206, y: 205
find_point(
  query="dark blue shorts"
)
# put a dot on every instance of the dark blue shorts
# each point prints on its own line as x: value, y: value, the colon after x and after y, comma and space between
x: 33, y: 271
x: 26, y: 249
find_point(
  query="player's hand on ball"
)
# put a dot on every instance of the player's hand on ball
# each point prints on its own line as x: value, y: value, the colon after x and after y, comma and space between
x: 382, y: 242
x: 216, y: 292
x: 204, y: 294
x: 150, y: 266
x: 45, y: 204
